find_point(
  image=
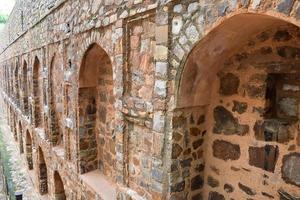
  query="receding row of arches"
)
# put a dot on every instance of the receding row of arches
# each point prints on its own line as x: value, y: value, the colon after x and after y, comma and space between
x: 95, y: 115
x: 34, y: 153
x: 43, y: 171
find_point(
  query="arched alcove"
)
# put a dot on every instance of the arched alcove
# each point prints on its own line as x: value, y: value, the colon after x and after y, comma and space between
x: 55, y: 100
x: 15, y: 131
x: 43, y: 174
x: 16, y: 83
x: 237, y: 108
x: 21, y: 138
x: 96, y: 112
x: 29, y: 150
x: 37, y: 87
x: 24, y: 82
x: 59, y: 189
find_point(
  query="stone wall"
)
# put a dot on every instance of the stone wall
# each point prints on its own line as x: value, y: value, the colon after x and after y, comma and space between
x: 155, y: 99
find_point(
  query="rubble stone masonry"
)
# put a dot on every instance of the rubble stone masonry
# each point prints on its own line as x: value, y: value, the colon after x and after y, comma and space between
x: 155, y: 100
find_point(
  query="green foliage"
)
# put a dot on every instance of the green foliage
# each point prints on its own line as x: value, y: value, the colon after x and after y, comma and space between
x: 3, y: 19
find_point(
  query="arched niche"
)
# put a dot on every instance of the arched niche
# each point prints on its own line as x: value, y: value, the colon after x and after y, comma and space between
x: 37, y: 88
x: 29, y: 150
x: 55, y: 102
x: 24, y: 82
x: 43, y: 174
x: 96, y: 112
x: 59, y: 188
x: 21, y: 138
x: 237, y: 108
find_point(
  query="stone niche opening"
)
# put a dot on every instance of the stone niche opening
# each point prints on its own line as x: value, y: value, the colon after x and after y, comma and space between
x: 59, y: 189
x: 16, y: 83
x: 281, y: 108
x: 29, y: 150
x: 21, y: 138
x: 55, y: 103
x: 37, y: 87
x: 242, y: 103
x: 24, y: 86
x: 96, y: 113
x: 43, y: 177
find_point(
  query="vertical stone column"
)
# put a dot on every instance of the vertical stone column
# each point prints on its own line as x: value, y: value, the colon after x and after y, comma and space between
x: 161, y: 55
x: 117, y: 42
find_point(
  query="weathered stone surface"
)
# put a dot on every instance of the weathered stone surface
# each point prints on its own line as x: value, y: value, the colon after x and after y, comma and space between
x: 246, y: 189
x: 255, y: 91
x: 178, y: 187
x: 285, y: 6
x: 289, y: 106
x: 226, y: 123
x: 290, y: 168
x: 239, y: 107
x: 228, y: 188
x: 197, y: 197
x: 282, y: 35
x: 264, y: 157
x: 215, y: 196
x: 286, y: 196
x: 229, y: 84
x: 225, y: 150
x: 267, y: 195
x: 288, y: 52
x: 212, y: 182
x: 197, y: 182
x: 176, y: 151
x: 272, y: 130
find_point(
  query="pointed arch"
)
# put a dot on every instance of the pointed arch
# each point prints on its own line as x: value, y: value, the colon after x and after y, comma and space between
x: 43, y: 173
x: 96, y: 111
x: 59, y: 188
x: 37, y: 87
x: 25, y: 88
x: 226, y: 77
x: 29, y: 150
x: 21, y: 138
x: 54, y: 86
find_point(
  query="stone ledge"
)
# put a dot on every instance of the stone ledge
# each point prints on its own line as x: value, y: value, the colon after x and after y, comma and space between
x: 99, y: 183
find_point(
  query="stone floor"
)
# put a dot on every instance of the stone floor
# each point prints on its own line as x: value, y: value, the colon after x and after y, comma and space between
x: 20, y: 175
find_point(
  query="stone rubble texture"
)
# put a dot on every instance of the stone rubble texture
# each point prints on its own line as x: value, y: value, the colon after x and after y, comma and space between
x: 145, y: 99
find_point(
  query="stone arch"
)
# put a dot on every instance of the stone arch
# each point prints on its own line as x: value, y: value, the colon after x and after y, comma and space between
x: 43, y: 174
x: 14, y: 125
x: 24, y: 82
x: 21, y: 138
x: 57, y: 137
x: 29, y: 147
x: 96, y: 112
x: 226, y: 89
x: 16, y: 82
x: 37, y: 88
x: 59, y: 189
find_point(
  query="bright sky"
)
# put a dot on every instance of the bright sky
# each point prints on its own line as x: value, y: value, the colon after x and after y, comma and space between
x: 6, y: 6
